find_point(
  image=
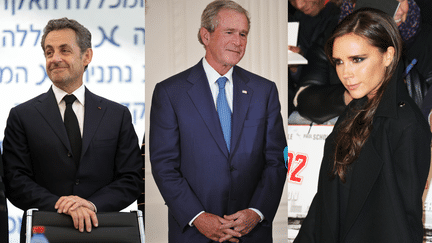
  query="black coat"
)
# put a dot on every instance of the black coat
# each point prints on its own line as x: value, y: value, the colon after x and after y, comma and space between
x: 387, y: 180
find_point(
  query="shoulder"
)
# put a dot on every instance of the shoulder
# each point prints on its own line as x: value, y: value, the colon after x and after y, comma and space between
x: 408, y: 118
x: 251, y: 78
x: 91, y: 97
x: 29, y: 104
x: 182, y: 78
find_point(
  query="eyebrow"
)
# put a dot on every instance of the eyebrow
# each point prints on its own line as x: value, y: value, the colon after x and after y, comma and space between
x: 61, y: 46
x: 353, y: 56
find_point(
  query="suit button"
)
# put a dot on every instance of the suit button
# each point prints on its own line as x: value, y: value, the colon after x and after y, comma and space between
x: 77, y: 182
x: 69, y: 154
x: 232, y: 168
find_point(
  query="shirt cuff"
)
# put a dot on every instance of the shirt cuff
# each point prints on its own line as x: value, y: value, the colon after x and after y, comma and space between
x: 190, y: 223
x: 93, y: 206
x: 259, y: 213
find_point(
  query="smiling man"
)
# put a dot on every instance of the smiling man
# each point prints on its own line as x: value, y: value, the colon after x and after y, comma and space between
x: 69, y: 150
x: 217, y: 139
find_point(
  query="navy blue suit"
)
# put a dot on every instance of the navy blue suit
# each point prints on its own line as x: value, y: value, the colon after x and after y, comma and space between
x: 190, y: 161
x: 38, y: 165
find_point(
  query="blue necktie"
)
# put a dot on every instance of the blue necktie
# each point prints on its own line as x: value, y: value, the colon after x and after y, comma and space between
x: 224, y: 111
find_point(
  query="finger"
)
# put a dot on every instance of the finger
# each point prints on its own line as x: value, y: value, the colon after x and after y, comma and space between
x: 94, y: 219
x: 232, y: 216
x: 80, y: 220
x: 225, y: 238
x: 233, y: 240
x: 60, y: 204
x: 65, y: 206
x: 56, y: 206
x: 232, y: 232
x: 75, y: 219
x: 87, y: 220
x: 77, y: 204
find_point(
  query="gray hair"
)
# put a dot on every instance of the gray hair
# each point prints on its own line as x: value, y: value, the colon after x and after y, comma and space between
x: 209, y: 19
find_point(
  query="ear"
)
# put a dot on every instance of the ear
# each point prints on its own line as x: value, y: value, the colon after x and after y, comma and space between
x: 87, y: 56
x: 388, y: 56
x: 205, y: 36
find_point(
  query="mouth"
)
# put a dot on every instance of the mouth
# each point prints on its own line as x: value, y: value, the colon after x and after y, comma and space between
x: 353, y: 87
x: 57, y: 68
x: 235, y: 51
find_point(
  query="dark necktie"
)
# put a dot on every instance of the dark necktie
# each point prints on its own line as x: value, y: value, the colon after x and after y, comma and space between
x: 224, y: 111
x: 72, y: 128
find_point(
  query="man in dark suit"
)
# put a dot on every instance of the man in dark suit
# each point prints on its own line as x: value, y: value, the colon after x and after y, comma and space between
x: 92, y: 166
x: 220, y: 175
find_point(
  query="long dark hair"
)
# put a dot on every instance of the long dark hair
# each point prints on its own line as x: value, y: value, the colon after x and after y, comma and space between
x: 381, y: 32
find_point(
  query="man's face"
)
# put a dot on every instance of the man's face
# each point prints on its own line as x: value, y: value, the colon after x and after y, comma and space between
x: 226, y: 46
x: 64, y: 62
x: 308, y: 7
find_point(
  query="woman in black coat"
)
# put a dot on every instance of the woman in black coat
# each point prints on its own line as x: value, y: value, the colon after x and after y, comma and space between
x: 376, y: 160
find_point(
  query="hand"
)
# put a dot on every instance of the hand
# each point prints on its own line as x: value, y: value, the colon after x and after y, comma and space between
x: 216, y: 228
x: 83, y: 216
x: 244, y: 220
x: 295, y: 49
x: 66, y: 203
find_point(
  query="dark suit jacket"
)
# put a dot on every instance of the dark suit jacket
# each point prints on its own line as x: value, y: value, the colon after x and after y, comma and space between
x: 38, y: 165
x: 4, y: 221
x: 387, y: 179
x: 190, y: 160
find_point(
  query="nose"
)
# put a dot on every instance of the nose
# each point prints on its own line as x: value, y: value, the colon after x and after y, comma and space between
x: 56, y: 57
x: 237, y: 39
x: 347, y: 71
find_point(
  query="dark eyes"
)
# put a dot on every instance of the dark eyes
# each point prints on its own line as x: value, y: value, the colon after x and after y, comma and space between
x: 358, y: 59
x: 354, y: 60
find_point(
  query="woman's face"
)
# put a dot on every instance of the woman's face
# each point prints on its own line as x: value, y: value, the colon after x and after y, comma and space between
x: 402, y: 12
x: 360, y: 66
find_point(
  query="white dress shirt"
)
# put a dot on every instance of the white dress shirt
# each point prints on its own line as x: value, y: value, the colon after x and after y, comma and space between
x: 77, y: 106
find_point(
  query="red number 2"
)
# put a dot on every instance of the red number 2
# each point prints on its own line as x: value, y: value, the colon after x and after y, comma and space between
x: 296, y: 164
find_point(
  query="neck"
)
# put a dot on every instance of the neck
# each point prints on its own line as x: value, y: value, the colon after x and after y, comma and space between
x: 222, y: 69
x: 69, y: 88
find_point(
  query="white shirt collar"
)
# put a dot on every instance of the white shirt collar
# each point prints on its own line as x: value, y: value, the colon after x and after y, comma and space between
x: 213, y: 75
x: 79, y: 94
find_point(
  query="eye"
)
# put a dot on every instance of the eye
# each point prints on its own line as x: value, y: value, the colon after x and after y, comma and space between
x: 337, y: 62
x: 358, y: 59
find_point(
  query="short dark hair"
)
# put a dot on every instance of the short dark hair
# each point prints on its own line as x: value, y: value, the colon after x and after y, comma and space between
x: 83, y: 35
x: 209, y: 19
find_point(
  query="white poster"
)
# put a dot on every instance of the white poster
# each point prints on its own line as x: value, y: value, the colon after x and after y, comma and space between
x: 116, y: 71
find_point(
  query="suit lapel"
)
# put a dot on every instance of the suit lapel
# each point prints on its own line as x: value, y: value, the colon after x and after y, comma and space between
x: 201, y: 96
x: 48, y: 108
x: 242, y: 95
x: 93, y: 112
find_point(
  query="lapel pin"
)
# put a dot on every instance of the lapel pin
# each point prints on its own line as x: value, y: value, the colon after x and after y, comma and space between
x: 244, y: 91
x: 99, y: 108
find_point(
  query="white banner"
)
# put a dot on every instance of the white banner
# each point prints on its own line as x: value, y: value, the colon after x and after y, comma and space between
x: 116, y: 71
